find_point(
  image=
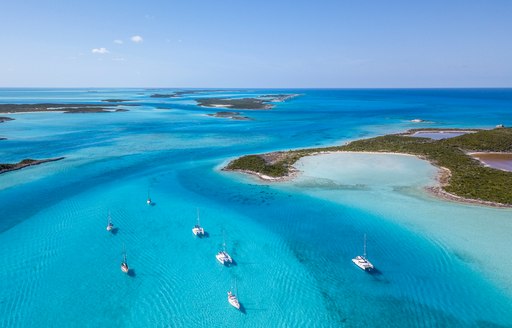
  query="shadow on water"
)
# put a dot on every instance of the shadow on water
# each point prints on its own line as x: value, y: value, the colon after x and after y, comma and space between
x: 131, y: 273
x: 114, y: 231
x: 206, y: 235
x: 242, y: 309
x: 152, y: 204
x: 375, y: 272
x: 377, y: 275
x: 233, y: 263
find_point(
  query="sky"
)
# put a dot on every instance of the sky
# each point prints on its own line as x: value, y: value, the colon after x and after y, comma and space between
x: 258, y: 43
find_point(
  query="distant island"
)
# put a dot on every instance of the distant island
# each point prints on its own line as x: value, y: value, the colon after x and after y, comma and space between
x: 262, y: 102
x: 231, y: 115
x: 5, y: 119
x: 4, y: 168
x: 177, y: 94
x: 114, y: 100
x: 462, y: 177
x: 66, y: 108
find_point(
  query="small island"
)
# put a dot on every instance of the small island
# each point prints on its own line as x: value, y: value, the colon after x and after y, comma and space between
x: 114, y: 100
x: 257, y: 103
x: 231, y: 115
x: 4, y: 168
x: 461, y: 176
x: 65, y: 108
x: 177, y: 94
x: 5, y: 119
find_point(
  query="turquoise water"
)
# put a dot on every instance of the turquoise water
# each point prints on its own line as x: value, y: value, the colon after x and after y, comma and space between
x: 292, y: 242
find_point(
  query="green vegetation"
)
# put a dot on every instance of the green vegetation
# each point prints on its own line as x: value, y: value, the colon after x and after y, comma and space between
x: 256, y: 163
x: 469, y: 178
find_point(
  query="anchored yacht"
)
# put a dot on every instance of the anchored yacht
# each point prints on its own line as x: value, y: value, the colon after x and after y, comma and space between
x: 223, y: 256
x: 124, y: 264
x: 361, y: 261
x: 148, y: 201
x: 233, y: 300
x: 197, y: 229
x: 110, y: 225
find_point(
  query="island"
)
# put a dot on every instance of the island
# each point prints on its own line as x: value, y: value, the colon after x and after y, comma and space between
x: 5, y: 119
x: 181, y: 93
x: 461, y: 176
x: 4, y: 168
x: 260, y: 103
x: 114, y: 100
x: 231, y: 115
x: 66, y: 108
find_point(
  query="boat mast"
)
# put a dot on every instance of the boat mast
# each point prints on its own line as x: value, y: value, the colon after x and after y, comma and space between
x: 364, y: 248
x: 124, y: 254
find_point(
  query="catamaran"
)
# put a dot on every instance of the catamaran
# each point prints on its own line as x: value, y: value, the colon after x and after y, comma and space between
x: 361, y: 261
x: 197, y: 229
x: 110, y: 225
x: 223, y: 256
x: 124, y: 264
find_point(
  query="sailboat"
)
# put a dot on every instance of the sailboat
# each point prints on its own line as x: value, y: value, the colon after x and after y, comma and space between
x: 124, y: 264
x: 110, y: 225
x: 361, y: 261
x: 148, y: 201
x: 197, y: 229
x: 223, y: 256
x: 233, y: 300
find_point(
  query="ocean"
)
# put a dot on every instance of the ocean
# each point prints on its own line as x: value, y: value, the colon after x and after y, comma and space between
x: 439, y: 263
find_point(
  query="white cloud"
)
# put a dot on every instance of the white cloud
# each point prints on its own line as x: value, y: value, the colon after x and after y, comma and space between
x: 100, y: 51
x: 118, y: 41
x: 137, y: 38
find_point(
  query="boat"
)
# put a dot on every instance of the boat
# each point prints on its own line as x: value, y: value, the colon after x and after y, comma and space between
x: 124, y: 264
x: 197, y: 229
x: 223, y: 256
x: 361, y: 261
x: 233, y: 300
x: 148, y: 201
x: 110, y: 225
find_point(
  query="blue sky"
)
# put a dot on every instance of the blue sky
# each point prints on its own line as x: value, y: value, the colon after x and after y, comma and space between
x: 228, y: 43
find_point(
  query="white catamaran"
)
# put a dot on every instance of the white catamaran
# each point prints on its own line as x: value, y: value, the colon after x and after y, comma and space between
x: 223, y: 256
x: 197, y: 229
x: 361, y: 261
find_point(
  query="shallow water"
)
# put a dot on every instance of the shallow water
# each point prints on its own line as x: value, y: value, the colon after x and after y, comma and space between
x: 499, y: 161
x: 292, y: 242
x: 438, y: 135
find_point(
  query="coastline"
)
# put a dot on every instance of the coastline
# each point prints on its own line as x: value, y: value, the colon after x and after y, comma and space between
x: 279, y: 166
x: 443, y: 177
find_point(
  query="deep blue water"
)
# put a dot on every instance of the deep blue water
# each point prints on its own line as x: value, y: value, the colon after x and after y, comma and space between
x: 59, y: 267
